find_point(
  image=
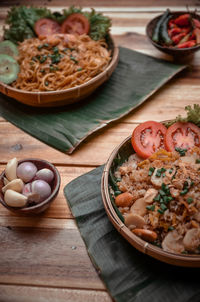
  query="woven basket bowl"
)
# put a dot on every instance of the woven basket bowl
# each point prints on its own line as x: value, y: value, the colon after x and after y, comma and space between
x: 173, y: 51
x: 67, y: 96
x: 117, y: 157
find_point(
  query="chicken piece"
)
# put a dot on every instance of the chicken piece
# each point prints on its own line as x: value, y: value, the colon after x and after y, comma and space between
x: 139, y: 207
x: 173, y: 242
x: 150, y: 195
x: 191, y: 239
x: 134, y: 221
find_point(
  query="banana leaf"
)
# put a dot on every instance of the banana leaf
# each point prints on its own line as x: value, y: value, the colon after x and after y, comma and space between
x: 136, y: 77
x: 129, y: 275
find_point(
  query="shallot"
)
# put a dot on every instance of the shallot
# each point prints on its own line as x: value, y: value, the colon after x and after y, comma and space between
x: 26, y: 171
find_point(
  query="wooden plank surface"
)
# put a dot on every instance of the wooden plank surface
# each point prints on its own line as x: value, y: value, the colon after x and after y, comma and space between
x: 44, y: 258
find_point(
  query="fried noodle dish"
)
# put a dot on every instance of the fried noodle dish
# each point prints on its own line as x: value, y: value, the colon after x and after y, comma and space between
x: 60, y: 61
x: 160, y: 199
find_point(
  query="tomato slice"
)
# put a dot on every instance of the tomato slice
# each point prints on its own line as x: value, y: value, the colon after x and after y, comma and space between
x: 148, y: 138
x: 76, y: 24
x: 182, y: 135
x: 45, y: 27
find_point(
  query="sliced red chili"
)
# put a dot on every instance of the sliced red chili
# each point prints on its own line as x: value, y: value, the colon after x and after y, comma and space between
x: 187, y: 44
x: 182, y: 20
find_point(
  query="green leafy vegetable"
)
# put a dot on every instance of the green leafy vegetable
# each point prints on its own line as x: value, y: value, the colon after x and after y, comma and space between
x: 193, y: 116
x: 22, y: 19
x: 99, y: 25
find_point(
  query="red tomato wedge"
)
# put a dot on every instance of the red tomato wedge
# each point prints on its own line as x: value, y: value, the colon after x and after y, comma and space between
x: 76, y: 24
x: 182, y: 135
x: 148, y: 137
x: 45, y: 27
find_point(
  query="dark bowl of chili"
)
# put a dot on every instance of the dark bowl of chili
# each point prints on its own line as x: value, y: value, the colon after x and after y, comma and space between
x: 177, y: 40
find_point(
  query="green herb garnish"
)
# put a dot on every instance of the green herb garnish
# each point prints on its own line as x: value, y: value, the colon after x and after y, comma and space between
x: 189, y: 200
x: 181, y: 151
x: 150, y: 207
x: 151, y: 170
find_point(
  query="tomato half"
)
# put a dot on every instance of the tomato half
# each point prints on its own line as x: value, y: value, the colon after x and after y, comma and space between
x: 76, y: 24
x: 148, y: 138
x: 182, y: 135
x: 45, y: 27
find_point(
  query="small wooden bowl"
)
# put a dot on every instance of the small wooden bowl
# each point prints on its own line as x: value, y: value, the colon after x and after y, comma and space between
x: 67, y: 96
x: 117, y: 157
x: 173, y: 51
x: 42, y: 206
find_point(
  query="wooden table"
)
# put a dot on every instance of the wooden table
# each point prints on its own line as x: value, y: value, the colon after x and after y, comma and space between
x: 44, y: 258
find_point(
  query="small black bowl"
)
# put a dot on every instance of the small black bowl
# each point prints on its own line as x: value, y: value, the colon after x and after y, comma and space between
x: 173, y: 51
x: 42, y: 206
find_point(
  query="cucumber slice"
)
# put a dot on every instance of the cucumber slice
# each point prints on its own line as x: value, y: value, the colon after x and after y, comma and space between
x: 8, y: 48
x: 9, y: 69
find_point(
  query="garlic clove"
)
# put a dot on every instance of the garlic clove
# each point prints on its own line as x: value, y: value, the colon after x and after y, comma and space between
x: 11, y: 169
x: 5, y: 181
x: 15, y: 199
x: 15, y: 185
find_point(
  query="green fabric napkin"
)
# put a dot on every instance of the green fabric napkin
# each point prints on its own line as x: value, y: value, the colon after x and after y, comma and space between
x: 129, y: 275
x: 136, y: 77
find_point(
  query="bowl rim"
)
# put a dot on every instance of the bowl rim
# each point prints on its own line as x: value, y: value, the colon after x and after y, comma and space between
x: 140, y: 244
x: 115, y: 54
x: 155, y: 19
x: 44, y: 202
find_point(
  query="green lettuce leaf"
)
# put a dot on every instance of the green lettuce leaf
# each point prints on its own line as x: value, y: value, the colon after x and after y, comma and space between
x: 193, y: 116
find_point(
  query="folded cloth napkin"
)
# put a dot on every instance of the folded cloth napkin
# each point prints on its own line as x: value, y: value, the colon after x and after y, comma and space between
x: 129, y: 275
x: 136, y: 77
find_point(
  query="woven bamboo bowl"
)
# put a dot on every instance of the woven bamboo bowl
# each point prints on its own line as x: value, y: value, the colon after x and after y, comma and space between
x: 117, y: 157
x: 67, y: 96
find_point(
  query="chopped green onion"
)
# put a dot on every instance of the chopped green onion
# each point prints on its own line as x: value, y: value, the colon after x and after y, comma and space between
x: 55, y: 50
x: 197, y: 161
x: 151, y: 170
x: 181, y: 151
x: 189, y: 200
x: 151, y: 207
x: 162, y: 193
x: 163, y: 207
x: 42, y: 70
x: 80, y: 69
x: 46, y: 83
x: 184, y: 191
x: 43, y: 59
x: 170, y: 228
x: 170, y: 171
x: 157, y: 198
x: 73, y: 59
x: 160, y: 211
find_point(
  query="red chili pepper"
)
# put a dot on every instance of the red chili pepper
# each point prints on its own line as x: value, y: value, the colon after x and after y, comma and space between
x: 186, y: 29
x: 176, y: 39
x: 182, y: 20
x: 171, y: 24
x: 192, y: 36
x: 196, y: 22
x: 187, y: 44
x: 174, y: 31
